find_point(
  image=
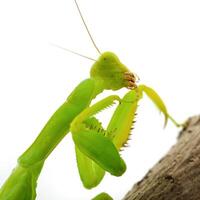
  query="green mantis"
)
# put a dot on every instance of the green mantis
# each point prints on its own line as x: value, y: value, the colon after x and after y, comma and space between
x: 97, y: 148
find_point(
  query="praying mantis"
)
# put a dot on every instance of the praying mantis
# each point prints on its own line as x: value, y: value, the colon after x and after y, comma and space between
x: 97, y: 148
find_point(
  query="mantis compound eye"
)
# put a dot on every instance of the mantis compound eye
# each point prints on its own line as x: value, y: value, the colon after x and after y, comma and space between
x: 131, y: 80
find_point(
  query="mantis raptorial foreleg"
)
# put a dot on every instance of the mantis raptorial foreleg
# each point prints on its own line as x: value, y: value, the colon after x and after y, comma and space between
x: 156, y: 99
x: 90, y: 173
x: 93, y: 143
x: 122, y: 120
x: 97, y: 149
x: 118, y: 131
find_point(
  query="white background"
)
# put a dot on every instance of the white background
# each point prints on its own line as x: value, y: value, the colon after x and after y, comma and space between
x: 157, y: 39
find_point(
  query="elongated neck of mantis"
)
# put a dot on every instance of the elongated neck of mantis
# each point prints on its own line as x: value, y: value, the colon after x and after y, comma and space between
x: 99, y: 87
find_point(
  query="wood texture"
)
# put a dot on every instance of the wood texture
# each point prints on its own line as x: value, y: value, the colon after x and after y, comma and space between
x: 177, y: 175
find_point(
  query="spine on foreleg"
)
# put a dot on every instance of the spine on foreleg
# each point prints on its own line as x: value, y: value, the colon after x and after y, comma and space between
x: 121, y: 123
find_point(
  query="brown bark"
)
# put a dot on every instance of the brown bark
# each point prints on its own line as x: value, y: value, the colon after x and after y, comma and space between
x: 177, y: 175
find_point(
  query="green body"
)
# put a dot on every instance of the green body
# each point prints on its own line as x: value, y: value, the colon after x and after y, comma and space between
x: 53, y: 132
x: 97, y: 149
x: 58, y: 125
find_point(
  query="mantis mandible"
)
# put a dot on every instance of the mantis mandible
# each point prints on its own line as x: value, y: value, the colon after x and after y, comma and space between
x: 97, y: 148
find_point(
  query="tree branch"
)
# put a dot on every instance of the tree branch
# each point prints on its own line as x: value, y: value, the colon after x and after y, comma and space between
x: 177, y: 175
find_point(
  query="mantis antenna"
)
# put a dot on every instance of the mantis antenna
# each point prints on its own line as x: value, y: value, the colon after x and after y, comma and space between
x: 87, y: 27
x: 68, y: 50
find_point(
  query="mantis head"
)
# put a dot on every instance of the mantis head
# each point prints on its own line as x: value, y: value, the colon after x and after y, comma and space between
x: 112, y: 73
